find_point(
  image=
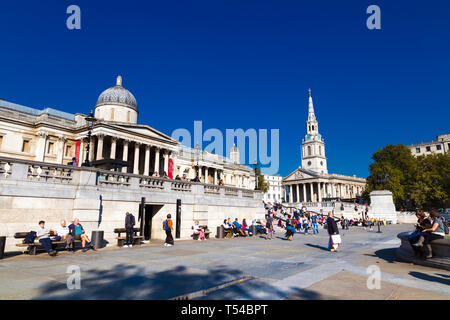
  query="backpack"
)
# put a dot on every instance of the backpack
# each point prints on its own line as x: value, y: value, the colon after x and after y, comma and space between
x: 29, y: 239
x: 445, y: 226
x: 166, y: 225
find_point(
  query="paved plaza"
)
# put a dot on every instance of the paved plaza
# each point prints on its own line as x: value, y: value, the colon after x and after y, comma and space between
x: 239, y: 268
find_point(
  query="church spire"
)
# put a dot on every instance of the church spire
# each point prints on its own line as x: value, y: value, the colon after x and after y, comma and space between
x: 311, y: 115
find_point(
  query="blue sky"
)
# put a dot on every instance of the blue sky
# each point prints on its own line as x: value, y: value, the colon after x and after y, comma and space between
x: 243, y: 64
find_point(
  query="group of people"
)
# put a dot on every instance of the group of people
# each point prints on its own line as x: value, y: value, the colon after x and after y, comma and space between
x: 428, y: 228
x: 67, y: 234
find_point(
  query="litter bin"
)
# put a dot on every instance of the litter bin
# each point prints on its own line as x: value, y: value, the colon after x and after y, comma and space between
x: 220, y: 232
x: 97, y: 239
x: 2, y: 246
x: 253, y: 230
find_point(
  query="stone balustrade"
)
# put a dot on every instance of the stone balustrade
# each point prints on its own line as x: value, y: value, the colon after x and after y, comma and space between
x: 50, y: 173
x: 183, y: 186
x: 5, y: 169
x: 113, y: 179
x: 152, y: 183
x: 212, y: 189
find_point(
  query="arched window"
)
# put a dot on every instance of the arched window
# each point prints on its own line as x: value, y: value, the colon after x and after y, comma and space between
x: 129, y: 116
x: 309, y: 150
x: 320, y: 150
x: 313, y: 128
x: 112, y: 114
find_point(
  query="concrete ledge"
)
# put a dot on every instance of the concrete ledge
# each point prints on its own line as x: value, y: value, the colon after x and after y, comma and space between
x: 441, y: 253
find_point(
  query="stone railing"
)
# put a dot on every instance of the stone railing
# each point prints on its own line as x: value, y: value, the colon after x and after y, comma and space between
x: 152, y: 183
x: 183, y: 186
x: 33, y: 171
x: 111, y: 178
x: 50, y: 173
x: 231, y: 192
x: 5, y: 169
x: 211, y: 189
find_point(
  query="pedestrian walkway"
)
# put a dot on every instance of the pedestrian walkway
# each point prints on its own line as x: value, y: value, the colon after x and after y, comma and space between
x: 238, y: 268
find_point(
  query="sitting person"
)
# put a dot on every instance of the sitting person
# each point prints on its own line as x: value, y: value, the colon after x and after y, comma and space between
x: 290, y: 230
x: 422, y: 223
x: 62, y: 233
x: 437, y: 231
x: 199, y: 230
x: 233, y: 227
x: 239, y: 228
x: 259, y: 227
x: 245, y: 226
x: 43, y: 235
x: 77, y: 232
x: 155, y: 174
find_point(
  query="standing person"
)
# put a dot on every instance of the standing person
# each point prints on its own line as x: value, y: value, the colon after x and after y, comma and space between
x: 332, y: 230
x: 43, y: 234
x: 168, y: 227
x: 314, y: 225
x: 305, y: 224
x: 129, y: 228
x: 437, y: 231
x: 62, y: 233
x: 76, y: 230
x: 269, y: 227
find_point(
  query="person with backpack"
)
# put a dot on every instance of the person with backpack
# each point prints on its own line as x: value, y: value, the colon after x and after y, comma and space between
x: 168, y: 226
x: 438, y: 230
x: 269, y: 227
x: 129, y: 228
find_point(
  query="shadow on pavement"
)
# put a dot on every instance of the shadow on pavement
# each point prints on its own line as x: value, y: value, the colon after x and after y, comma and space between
x: 317, y: 246
x: 427, y: 277
x: 135, y: 282
x: 386, y: 254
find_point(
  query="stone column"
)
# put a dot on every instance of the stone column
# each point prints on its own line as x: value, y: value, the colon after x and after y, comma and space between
x: 199, y: 173
x: 82, y: 155
x: 319, y: 187
x: 166, y: 161
x: 147, y: 160
x: 206, y: 175
x: 136, y: 158
x: 156, y: 169
x: 100, y: 138
x: 125, y: 154
x: 215, y: 176
x: 41, y: 145
x: 92, y: 149
x: 311, y: 189
x: 304, y: 193
x: 60, y: 154
x: 297, y: 187
x: 112, y: 155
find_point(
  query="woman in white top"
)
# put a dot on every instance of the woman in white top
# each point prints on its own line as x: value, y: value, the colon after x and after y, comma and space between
x: 435, y: 232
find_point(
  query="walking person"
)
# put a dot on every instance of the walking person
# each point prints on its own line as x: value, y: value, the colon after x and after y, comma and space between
x: 129, y: 228
x: 168, y: 227
x: 269, y: 227
x: 314, y: 225
x: 332, y: 231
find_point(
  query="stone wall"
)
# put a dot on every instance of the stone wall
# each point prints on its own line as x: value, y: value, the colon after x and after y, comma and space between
x: 33, y: 191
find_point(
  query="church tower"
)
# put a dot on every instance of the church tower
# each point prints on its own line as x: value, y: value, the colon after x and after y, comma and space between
x: 313, y: 146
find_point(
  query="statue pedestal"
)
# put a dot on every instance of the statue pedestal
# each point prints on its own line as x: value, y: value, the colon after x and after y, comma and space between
x: 382, y: 206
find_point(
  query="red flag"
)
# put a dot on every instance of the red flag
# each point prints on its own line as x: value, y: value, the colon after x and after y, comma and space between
x: 77, y: 151
x: 170, y: 173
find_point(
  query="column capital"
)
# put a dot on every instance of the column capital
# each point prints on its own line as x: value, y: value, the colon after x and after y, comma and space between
x: 100, y: 135
x: 114, y: 139
x: 147, y: 147
x: 42, y: 134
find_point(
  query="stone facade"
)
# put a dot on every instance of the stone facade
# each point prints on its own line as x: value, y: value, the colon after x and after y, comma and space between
x: 275, y: 190
x: 441, y: 145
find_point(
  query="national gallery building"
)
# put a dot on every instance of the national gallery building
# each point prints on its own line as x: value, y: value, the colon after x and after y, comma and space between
x: 118, y: 142
x: 311, y: 182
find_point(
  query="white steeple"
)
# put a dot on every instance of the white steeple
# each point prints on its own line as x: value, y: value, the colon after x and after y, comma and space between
x: 313, y: 146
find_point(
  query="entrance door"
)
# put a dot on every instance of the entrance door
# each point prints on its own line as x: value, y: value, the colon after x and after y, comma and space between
x: 150, y: 211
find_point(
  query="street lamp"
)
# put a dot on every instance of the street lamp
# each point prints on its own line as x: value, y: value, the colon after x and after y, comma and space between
x: 90, y: 121
x: 255, y: 164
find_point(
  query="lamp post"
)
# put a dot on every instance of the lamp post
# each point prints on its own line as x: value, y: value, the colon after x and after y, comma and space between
x: 255, y: 164
x: 90, y: 121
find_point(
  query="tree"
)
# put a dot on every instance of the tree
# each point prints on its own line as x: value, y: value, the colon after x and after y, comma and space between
x: 262, y: 184
x: 422, y: 182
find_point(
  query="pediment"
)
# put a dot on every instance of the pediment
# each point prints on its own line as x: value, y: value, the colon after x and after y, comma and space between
x: 299, y: 174
x: 149, y: 132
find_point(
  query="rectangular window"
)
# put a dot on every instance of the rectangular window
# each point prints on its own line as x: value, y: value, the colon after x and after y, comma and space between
x: 438, y: 147
x: 1, y: 141
x: 428, y: 149
x: 68, y: 151
x: 26, y: 146
x: 417, y: 150
x: 50, y: 148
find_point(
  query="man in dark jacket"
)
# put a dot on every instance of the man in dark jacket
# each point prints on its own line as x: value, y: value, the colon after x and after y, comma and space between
x: 332, y: 230
x: 129, y: 227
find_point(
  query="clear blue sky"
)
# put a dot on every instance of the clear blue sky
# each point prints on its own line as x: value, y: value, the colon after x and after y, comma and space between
x: 243, y: 64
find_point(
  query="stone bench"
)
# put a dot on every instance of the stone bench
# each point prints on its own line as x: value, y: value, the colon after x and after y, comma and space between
x: 440, y: 247
x: 121, y: 239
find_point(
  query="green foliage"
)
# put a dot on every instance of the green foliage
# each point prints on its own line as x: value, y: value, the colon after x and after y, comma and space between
x: 262, y: 184
x: 422, y: 182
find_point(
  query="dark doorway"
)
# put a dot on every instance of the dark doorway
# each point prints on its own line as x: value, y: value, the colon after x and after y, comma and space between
x: 150, y: 211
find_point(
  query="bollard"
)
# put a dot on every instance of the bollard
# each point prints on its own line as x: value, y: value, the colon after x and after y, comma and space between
x: 220, y: 232
x: 97, y: 239
x: 2, y: 246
